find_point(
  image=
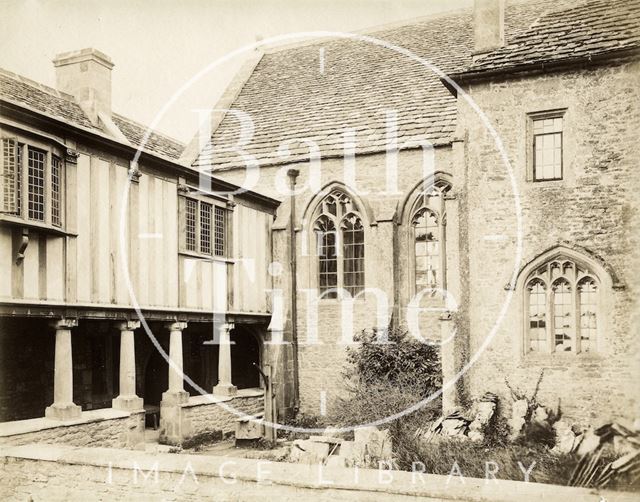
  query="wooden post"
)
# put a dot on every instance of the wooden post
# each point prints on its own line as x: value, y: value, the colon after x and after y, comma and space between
x: 270, y: 432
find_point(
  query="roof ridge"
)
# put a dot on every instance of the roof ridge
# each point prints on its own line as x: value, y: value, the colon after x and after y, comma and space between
x: 38, y: 85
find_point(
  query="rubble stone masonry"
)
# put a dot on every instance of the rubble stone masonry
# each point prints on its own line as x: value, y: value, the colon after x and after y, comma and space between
x: 593, y: 210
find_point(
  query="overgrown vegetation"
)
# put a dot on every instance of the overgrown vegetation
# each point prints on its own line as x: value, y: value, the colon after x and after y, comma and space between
x: 199, y: 441
x: 388, y: 372
x: 393, y: 357
x: 302, y: 421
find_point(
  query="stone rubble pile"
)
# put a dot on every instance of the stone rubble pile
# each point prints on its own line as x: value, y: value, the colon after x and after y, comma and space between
x: 611, y: 439
x: 458, y: 426
x: 370, y: 446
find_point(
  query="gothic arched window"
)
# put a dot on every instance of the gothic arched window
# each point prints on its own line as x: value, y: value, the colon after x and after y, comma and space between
x: 562, y: 305
x: 428, y: 239
x: 340, y: 245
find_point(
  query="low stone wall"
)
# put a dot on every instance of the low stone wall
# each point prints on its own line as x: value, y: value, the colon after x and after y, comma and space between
x: 105, y: 427
x: 205, y: 416
x: 62, y: 473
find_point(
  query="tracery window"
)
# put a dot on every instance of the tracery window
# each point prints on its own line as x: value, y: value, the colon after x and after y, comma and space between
x: 562, y: 307
x: 340, y: 245
x: 428, y: 238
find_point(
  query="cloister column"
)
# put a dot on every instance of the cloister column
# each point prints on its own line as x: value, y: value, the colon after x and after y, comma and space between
x: 174, y: 425
x: 224, y: 386
x: 63, y: 407
x: 175, y: 393
x: 127, y: 399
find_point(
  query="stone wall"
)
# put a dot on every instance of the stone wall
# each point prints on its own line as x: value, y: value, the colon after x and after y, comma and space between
x: 181, y: 421
x: 387, y: 247
x: 593, y: 210
x: 55, y: 473
x: 206, y: 417
x: 98, y: 428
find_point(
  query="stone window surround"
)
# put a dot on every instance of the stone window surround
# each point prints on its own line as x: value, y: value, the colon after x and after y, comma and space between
x: 539, y: 115
x: 313, y: 210
x: 606, y: 282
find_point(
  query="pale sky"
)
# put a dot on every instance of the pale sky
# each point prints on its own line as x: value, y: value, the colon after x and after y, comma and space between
x: 157, y: 45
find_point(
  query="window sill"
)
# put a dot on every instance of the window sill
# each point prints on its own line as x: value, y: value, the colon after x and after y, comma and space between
x: 35, y: 225
x: 207, y: 257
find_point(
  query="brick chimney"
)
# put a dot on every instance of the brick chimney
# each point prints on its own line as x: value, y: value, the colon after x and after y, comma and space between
x: 488, y: 25
x: 86, y: 74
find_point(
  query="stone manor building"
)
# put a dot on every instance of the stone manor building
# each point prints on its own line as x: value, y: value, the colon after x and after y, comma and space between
x: 527, y: 216
x: 471, y: 176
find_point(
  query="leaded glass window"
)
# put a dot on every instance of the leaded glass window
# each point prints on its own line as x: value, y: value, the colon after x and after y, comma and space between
x: 205, y: 227
x: 340, y: 250
x: 36, y: 180
x: 56, y: 218
x: 563, y: 316
x: 220, y: 229
x: 191, y: 219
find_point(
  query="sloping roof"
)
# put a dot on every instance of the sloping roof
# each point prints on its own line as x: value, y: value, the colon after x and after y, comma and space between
x: 41, y: 98
x: 53, y: 103
x: 585, y: 31
x: 288, y: 97
x: 156, y: 142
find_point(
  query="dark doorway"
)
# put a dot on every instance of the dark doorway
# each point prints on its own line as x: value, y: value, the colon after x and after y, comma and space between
x: 156, y: 378
x: 27, y: 347
x: 244, y: 354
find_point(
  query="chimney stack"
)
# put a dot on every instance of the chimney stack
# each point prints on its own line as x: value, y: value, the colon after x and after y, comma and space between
x: 488, y: 25
x: 86, y: 75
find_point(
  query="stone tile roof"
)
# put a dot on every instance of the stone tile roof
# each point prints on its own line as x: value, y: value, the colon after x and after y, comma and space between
x: 288, y: 97
x: 594, y: 28
x: 156, y: 143
x: 41, y: 98
x: 62, y: 106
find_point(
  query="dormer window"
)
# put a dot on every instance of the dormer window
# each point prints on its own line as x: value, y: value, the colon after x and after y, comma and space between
x: 31, y: 178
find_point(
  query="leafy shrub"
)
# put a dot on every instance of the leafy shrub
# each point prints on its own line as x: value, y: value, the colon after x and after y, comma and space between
x: 400, y: 361
x: 371, y: 402
x: 386, y: 378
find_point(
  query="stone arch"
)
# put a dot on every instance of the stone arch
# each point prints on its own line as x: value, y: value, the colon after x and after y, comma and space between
x: 311, y: 205
x: 604, y: 271
x: 440, y: 179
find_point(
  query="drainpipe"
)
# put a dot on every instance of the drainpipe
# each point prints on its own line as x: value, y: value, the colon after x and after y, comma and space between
x: 293, y: 174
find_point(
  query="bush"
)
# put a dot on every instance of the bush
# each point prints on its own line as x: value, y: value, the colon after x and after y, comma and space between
x: 387, y: 378
x: 371, y: 402
x: 400, y: 361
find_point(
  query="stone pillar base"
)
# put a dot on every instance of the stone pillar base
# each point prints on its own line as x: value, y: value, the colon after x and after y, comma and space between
x: 225, y: 390
x: 128, y: 403
x: 174, y: 427
x: 173, y: 398
x: 67, y: 411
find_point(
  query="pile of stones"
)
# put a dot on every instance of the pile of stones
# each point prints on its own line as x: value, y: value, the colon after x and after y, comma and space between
x: 369, y: 446
x: 457, y: 425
